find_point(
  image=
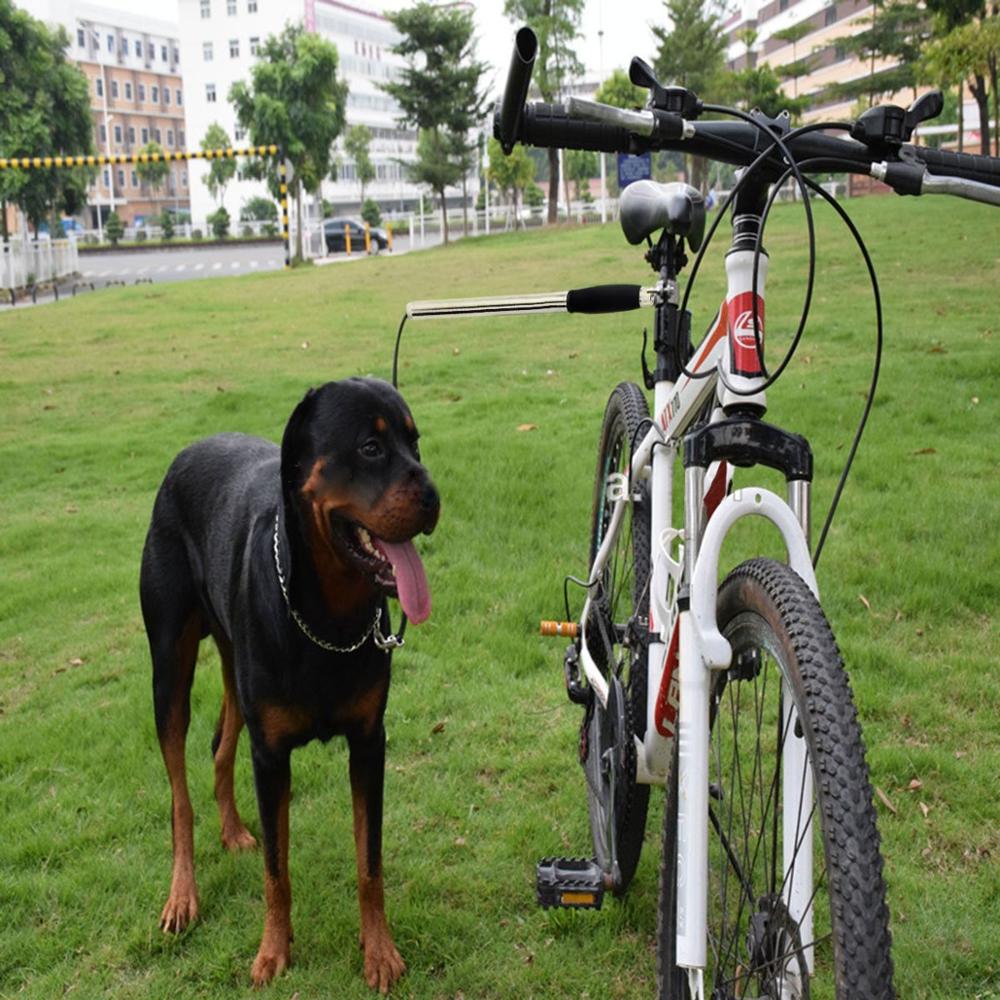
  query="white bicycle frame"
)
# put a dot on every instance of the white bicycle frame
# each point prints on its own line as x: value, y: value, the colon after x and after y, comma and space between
x: 693, y: 631
x: 678, y: 703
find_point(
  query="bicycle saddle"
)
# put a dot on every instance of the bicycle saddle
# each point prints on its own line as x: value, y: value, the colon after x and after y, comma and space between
x: 678, y: 208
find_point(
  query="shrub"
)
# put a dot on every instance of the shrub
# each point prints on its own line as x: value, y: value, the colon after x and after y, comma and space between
x: 219, y: 221
x: 196, y: 234
x: 270, y: 229
x: 258, y: 209
x: 370, y: 212
x: 167, y: 225
x: 140, y: 236
x: 114, y: 230
x: 247, y: 231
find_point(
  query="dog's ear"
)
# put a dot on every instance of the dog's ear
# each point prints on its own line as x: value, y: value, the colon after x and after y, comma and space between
x: 293, y: 442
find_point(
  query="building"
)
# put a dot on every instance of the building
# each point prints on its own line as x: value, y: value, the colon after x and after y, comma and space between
x: 823, y: 26
x: 223, y: 38
x: 133, y: 67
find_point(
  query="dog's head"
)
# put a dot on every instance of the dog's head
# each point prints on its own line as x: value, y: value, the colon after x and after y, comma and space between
x: 350, y: 464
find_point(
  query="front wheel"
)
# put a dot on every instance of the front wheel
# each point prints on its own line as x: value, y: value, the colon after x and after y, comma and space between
x: 618, y: 640
x: 796, y: 898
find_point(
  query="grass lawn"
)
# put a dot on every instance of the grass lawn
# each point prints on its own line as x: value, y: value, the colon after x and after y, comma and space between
x: 98, y: 394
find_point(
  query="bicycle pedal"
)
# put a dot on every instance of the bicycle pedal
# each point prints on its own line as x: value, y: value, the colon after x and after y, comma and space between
x: 567, y: 630
x: 569, y: 883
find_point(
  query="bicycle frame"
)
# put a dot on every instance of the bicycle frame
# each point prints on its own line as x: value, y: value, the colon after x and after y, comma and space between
x: 685, y: 644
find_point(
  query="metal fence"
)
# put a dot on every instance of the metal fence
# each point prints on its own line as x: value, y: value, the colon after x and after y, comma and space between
x: 30, y: 262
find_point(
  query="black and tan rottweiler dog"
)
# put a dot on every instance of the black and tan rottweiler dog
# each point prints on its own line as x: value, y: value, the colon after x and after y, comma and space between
x: 285, y: 557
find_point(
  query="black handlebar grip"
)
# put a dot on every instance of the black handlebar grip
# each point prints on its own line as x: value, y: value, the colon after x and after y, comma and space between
x: 522, y: 62
x: 984, y: 169
x: 603, y: 299
x: 549, y: 125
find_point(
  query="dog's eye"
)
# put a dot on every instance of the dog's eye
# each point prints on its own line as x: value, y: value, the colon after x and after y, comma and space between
x: 371, y: 449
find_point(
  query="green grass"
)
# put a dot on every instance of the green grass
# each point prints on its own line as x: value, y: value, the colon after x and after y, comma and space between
x: 100, y: 392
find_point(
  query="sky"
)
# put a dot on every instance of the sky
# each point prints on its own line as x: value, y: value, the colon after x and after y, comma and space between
x: 625, y: 25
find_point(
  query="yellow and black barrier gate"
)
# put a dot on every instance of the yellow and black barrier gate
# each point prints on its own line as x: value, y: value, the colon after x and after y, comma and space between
x: 120, y: 159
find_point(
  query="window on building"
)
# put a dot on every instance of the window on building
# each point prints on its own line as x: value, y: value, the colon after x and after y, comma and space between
x: 111, y: 43
x: 145, y: 136
x: 118, y: 135
x: 155, y: 94
x: 170, y: 138
x: 254, y: 46
x: 103, y: 130
x: 180, y: 137
x: 131, y: 135
x: 128, y: 91
x: 123, y: 48
x: 839, y: 53
x: 140, y: 90
x: 81, y: 38
x: 135, y: 179
x: 830, y: 16
x: 207, y: 51
x: 98, y: 86
x: 114, y: 89
x: 238, y: 134
x: 157, y: 137
x: 121, y: 177
x: 231, y: 8
x: 166, y: 95
x: 107, y: 177
x: 184, y: 178
x: 210, y: 93
x: 138, y: 49
x: 164, y: 53
x: 177, y: 56
x: 234, y: 48
x: 206, y: 8
x: 251, y: 6
x: 180, y: 98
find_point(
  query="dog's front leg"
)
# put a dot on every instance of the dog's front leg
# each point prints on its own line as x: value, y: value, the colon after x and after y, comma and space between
x: 383, y: 964
x: 272, y: 776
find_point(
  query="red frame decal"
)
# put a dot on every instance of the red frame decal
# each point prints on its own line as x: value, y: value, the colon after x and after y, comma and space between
x: 742, y: 344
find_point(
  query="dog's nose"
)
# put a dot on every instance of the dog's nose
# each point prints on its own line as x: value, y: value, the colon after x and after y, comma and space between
x: 430, y: 504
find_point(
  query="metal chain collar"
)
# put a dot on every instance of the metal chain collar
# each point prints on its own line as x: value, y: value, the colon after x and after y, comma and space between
x: 385, y: 643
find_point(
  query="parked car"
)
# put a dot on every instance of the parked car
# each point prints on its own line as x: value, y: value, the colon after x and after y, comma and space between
x: 333, y: 233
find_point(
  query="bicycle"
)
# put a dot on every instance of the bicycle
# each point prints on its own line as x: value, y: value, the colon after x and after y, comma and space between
x: 733, y: 696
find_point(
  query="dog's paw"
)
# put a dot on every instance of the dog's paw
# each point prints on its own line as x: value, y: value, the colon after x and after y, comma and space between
x: 238, y: 839
x: 383, y: 964
x: 269, y: 963
x: 180, y: 910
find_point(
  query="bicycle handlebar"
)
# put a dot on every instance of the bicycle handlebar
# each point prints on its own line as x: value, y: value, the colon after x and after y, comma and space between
x: 588, y: 125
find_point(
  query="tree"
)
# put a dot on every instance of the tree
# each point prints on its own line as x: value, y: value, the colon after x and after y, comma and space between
x: 971, y: 51
x: 759, y: 87
x: 436, y: 166
x: 439, y: 91
x: 557, y: 25
x: 691, y: 54
x: 620, y: 92
x: 897, y: 32
x: 512, y: 174
x: 794, y: 33
x: 44, y: 110
x: 294, y: 100
x: 357, y: 145
x: 220, y: 172
x: 580, y: 165
x: 152, y: 172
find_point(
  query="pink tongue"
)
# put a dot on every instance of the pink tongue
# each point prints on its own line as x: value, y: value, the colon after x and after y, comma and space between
x: 411, y: 580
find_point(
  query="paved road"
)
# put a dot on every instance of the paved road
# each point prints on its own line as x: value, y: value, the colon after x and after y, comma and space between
x: 182, y: 264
